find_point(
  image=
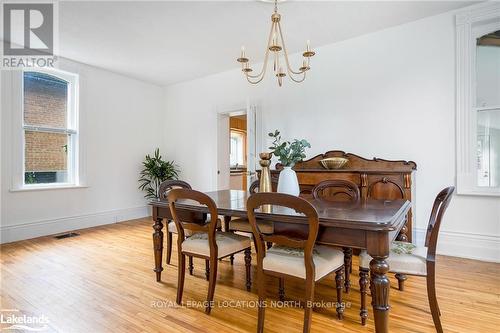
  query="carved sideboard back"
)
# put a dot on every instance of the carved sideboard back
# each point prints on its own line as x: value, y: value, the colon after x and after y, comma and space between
x: 377, y: 178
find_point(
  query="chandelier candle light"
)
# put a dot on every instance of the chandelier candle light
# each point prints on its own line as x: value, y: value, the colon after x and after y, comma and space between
x: 276, y: 45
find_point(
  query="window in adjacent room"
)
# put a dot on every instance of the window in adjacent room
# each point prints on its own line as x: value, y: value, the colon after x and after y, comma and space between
x: 237, y: 148
x: 50, y: 128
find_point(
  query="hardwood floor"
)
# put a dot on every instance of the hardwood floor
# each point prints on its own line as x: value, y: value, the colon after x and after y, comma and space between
x: 102, y: 281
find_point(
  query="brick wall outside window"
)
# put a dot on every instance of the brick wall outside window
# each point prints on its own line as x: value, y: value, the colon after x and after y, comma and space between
x: 45, y: 151
x: 45, y: 104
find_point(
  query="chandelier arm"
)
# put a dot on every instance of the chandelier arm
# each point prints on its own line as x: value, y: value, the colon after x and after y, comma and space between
x: 266, y: 58
x: 299, y: 80
x: 285, y: 53
x: 254, y: 82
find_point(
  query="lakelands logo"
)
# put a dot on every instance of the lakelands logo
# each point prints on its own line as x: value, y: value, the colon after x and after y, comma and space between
x: 14, y: 320
x: 29, y: 34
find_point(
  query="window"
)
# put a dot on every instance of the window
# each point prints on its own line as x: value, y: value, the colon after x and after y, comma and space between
x: 487, y: 109
x: 237, y: 152
x: 478, y: 101
x: 49, y: 128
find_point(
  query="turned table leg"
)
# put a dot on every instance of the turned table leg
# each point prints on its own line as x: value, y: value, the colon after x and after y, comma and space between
x: 379, y: 288
x: 158, y: 247
x: 227, y: 219
x: 348, y: 268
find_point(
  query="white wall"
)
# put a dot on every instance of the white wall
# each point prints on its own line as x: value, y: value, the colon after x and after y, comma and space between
x: 119, y: 124
x: 389, y: 94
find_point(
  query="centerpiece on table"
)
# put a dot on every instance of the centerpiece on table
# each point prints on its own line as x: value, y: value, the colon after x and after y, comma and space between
x: 288, y: 153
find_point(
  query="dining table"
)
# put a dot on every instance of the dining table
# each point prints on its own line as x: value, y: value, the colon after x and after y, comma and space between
x: 369, y: 224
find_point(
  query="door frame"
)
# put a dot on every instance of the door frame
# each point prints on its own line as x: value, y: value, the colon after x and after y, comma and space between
x: 237, y: 109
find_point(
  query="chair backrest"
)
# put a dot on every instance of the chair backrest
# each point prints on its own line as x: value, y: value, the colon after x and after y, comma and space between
x: 438, y: 209
x: 210, y: 227
x: 299, y: 205
x: 170, y: 184
x: 185, y: 215
x: 336, y: 190
x: 254, y: 187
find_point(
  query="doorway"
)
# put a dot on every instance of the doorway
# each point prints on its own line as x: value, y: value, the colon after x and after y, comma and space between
x: 236, y: 148
x: 238, y: 152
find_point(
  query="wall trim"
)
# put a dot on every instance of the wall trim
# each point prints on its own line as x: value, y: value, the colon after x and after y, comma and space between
x: 465, y: 245
x: 470, y: 23
x: 54, y: 226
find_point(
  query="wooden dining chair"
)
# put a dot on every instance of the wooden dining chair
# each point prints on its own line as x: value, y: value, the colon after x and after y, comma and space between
x: 164, y: 189
x: 339, y: 190
x: 413, y: 260
x: 206, y: 242
x: 242, y: 224
x: 293, y: 256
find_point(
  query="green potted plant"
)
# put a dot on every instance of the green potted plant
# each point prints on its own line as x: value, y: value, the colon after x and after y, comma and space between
x: 155, y: 171
x: 288, y: 153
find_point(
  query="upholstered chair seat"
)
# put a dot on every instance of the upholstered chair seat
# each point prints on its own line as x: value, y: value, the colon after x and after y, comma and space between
x: 227, y: 243
x: 290, y: 260
x: 242, y: 224
x: 405, y: 262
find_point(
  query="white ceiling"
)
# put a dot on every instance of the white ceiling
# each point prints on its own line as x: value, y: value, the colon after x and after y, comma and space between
x: 169, y: 42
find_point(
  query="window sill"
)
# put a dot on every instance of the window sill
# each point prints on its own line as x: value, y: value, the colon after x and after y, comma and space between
x: 494, y: 193
x: 46, y: 188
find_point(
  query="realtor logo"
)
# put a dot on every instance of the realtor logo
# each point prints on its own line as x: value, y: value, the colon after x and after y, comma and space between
x: 28, y: 29
x: 29, y: 34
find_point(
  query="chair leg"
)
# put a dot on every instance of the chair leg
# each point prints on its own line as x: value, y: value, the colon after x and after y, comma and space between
x: 401, y: 281
x: 207, y: 269
x: 190, y: 265
x: 281, y: 289
x: 169, y: 247
x: 363, y: 284
x: 181, y: 274
x: 248, y: 265
x: 231, y: 259
x: 431, y: 295
x: 308, y: 306
x: 348, y: 268
x: 339, y: 278
x: 211, y: 284
x: 262, y: 300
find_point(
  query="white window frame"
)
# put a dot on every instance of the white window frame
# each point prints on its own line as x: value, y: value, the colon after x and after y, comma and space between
x: 470, y: 24
x: 19, y: 128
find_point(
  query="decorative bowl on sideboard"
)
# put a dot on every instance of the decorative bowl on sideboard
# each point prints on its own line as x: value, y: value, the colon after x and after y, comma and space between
x: 334, y: 162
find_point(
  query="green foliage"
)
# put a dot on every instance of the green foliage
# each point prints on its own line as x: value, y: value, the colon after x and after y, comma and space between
x: 288, y: 152
x: 29, y: 178
x: 154, y: 173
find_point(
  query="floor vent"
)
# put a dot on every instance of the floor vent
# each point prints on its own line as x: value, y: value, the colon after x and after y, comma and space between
x: 69, y: 234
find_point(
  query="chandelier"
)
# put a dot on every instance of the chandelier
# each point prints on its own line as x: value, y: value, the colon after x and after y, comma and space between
x: 276, y: 45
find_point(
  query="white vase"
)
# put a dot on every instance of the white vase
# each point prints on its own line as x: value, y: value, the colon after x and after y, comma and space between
x: 288, y: 182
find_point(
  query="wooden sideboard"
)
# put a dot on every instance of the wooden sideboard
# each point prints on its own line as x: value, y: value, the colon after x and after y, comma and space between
x: 377, y: 178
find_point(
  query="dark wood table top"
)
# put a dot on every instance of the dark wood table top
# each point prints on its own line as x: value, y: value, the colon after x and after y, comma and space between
x: 369, y: 214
